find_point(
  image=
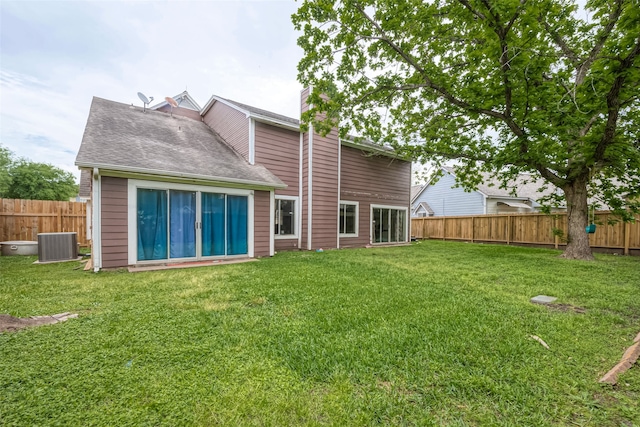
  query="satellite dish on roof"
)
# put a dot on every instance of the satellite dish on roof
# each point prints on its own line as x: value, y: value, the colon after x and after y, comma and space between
x: 171, y: 101
x: 143, y: 98
x: 146, y: 101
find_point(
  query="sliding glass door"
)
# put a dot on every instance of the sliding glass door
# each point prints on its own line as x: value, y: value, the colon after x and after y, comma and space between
x: 388, y: 225
x: 178, y: 224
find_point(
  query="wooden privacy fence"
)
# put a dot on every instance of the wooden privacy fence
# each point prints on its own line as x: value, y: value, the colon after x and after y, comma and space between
x: 527, y: 229
x: 24, y: 219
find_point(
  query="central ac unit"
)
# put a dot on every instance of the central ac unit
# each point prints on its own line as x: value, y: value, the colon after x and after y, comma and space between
x: 57, y: 246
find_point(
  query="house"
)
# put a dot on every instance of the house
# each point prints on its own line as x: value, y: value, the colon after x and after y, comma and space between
x: 440, y: 197
x: 231, y: 181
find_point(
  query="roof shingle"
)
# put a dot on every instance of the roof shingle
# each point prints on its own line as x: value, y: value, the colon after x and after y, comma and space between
x: 125, y: 137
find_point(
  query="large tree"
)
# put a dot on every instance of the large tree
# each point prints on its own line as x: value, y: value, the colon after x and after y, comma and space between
x: 6, y: 160
x: 509, y: 86
x: 40, y: 181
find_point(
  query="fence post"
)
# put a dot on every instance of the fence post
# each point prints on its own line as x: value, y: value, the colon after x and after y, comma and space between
x: 508, y: 228
x: 473, y: 228
x: 444, y: 223
x: 59, y: 229
x: 555, y: 232
x: 627, y: 236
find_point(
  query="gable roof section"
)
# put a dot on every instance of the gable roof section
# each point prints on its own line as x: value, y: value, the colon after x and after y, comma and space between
x: 123, y: 138
x: 415, y: 191
x: 425, y: 206
x: 290, y: 123
x: 256, y: 113
x: 183, y: 99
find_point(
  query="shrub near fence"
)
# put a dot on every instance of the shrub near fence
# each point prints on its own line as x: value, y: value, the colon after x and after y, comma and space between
x: 527, y: 229
x: 24, y: 219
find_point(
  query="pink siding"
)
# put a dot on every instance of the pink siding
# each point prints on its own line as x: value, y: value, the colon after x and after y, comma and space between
x: 305, y: 190
x: 324, y: 189
x: 185, y: 112
x: 278, y: 150
x: 231, y: 125
x: 262, y: 211
x: 286, y: 244
x: 114, y: 222
x: 370, y: 179
x: 305, y: 174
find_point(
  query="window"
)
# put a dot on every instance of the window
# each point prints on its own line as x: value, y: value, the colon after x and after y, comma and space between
x: 285, y: 217
x: 171, y: 221
x: 348, y: 219
x: 389, y: 224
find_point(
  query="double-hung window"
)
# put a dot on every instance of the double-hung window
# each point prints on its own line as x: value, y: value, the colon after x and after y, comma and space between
x: 285, y: 217
x: 348, y: 219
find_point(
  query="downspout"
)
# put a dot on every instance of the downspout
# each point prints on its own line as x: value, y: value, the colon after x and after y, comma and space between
x: 252, y: 141
x: 310, y: 190
x: 339, y: 174
x: 272, y: 220
x: 299, y: 207
x: 96, y: 244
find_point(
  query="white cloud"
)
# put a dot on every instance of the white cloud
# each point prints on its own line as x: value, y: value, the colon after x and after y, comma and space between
x: 239, y: 50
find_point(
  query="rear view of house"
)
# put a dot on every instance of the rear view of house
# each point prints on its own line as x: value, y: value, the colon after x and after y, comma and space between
x: 231, y: 181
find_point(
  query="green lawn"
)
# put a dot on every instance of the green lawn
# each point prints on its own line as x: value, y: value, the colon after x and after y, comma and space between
x: 437, y: 333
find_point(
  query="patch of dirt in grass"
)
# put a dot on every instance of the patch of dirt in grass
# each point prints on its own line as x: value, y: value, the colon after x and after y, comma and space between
x: 9, y: 323
x: 566, y: 308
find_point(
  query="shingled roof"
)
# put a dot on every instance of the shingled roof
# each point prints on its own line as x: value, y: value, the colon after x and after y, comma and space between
x: 525, y: 186
x: 124, y: 138
x: 265, y: 113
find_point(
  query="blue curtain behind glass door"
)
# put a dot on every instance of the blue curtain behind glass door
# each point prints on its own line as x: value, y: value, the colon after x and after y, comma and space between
x: 212, y: 224
x: 152, y: 224
x: 237, y: 225
x: 182, y: 235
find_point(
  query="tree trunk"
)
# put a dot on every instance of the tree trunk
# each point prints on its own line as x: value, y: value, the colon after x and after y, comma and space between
x: 577, y: 220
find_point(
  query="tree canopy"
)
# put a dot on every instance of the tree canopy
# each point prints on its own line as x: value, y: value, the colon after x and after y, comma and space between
x: 509, y: 86
x: 23, y: 179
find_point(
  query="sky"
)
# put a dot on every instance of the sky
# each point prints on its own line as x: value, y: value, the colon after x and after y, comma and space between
x: 56, y: 55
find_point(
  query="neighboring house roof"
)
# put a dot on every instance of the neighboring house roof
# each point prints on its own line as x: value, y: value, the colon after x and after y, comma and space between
x: 124, y: 138
x: 415, y: 190
x: 524, y: 185
x: 425, y: 206
x: 183, y: 99
x: 85, y: 183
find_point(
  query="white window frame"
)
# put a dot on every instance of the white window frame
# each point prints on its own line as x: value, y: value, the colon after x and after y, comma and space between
x: 295, y: 217
x: 132, y: 223
x: 357, y: 205
x: 406, y: 224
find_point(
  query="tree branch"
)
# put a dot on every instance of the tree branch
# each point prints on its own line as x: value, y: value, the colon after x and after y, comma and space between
x: 583, y: 68
x: 443, y: 93
x: 564, y: 47
x: 477, y: 13
x: 613, y: 103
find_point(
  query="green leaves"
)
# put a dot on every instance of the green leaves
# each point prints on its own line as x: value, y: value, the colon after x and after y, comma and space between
x: 23, y: 179
x: 536, y: 86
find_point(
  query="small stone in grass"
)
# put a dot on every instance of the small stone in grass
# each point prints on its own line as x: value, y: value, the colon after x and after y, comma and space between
x: 543, y: 299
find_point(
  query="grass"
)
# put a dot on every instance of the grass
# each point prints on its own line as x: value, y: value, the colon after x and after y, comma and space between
x: 437, y: 333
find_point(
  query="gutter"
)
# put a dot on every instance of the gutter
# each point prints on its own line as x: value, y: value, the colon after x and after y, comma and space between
x: 144, y: 171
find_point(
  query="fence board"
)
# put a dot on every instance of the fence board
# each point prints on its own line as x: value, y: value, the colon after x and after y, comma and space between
x: 531, y: 229
x: 24, y: 219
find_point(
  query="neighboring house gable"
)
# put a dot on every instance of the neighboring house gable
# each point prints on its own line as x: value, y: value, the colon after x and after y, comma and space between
x: 445, y: 199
